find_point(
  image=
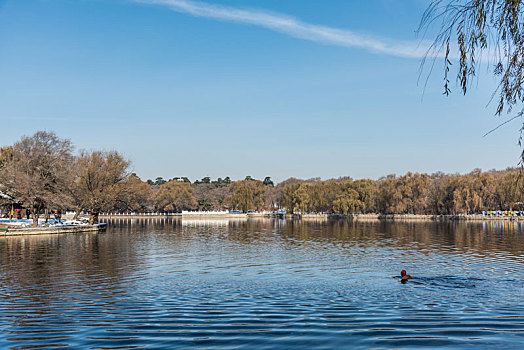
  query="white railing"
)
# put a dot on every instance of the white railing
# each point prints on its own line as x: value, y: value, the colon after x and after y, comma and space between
x: 138, y: 214
x: 186, y: 212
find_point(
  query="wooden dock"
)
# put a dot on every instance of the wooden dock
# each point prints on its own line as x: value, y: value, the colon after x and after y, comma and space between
x: 29, y: 231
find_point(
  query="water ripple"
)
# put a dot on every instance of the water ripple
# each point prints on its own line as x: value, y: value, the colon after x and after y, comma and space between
x: 162, y: 284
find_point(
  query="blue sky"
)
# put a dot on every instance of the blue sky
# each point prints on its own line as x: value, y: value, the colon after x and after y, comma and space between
x: 234, y: 88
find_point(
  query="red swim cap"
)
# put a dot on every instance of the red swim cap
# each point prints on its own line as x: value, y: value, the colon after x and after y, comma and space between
x: 403, y: 273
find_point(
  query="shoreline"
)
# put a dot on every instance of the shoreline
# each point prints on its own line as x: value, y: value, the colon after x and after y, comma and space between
x: 352, y: 217
x: 26, y: 231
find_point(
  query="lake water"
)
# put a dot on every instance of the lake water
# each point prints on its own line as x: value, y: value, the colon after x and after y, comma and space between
x: 265, y: 284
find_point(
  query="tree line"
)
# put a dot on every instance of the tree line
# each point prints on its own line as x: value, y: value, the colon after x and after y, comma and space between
x: 412, y: 193
x: 43, y: 173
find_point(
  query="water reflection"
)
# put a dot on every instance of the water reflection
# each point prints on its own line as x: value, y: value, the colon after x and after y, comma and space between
x: 267, y: 283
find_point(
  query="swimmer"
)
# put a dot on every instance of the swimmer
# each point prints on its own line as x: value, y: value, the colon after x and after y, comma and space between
x: 404, y: 277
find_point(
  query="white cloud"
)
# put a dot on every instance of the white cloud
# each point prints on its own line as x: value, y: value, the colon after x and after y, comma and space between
x: 296, y: 28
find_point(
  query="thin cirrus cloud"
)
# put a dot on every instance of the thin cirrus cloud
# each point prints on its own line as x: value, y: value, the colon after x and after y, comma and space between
x: 296, y: 28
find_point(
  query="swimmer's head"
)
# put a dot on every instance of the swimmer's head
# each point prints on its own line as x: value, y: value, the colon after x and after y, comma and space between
x: 403, y: 273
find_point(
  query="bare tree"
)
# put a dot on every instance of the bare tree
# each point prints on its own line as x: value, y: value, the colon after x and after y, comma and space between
x: 273, y: 197
x: 175, y: 196
x: 101, y: 181
x: 136, y: 195
x: 247, y: 195
x: 37, y: 172
x: 210, y: 196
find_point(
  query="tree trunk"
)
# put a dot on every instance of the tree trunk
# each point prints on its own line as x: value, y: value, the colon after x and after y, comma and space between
x: 77, y: 213
x: 34, y: 216
x: 11, y: 212
x: 93, y: 218
x: 46, y: 214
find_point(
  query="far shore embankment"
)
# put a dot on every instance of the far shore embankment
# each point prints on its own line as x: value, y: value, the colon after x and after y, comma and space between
x: 140, y: 216
x: 202, y: 215
x: 416, y: 217
x: 320, y: 216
